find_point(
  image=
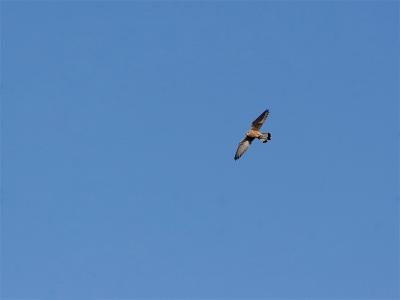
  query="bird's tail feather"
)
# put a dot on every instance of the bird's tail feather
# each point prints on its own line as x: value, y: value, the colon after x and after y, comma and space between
x: 265, y: 137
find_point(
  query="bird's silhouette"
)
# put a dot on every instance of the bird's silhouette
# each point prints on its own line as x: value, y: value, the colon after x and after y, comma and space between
x: 253, y: 133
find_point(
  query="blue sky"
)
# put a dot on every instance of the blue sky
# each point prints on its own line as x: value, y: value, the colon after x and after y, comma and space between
x: 119, y: 125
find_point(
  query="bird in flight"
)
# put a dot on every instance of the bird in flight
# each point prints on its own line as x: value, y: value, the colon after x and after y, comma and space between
x: 253, y: 133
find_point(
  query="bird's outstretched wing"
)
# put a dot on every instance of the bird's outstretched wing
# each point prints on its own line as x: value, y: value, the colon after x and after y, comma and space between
x: 257, y: 123
x: 243, y: 146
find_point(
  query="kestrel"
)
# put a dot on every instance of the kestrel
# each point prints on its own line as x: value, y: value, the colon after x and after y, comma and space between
x: 253, y: 133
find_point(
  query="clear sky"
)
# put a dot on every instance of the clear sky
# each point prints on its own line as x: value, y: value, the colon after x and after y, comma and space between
x: 120, y: 121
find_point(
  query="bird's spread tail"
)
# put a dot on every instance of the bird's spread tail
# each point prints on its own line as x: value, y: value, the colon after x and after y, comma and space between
x: 265, y: 137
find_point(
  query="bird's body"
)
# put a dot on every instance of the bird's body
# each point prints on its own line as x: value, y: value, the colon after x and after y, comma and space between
x: 253, y: 133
